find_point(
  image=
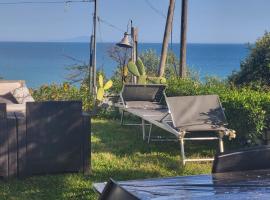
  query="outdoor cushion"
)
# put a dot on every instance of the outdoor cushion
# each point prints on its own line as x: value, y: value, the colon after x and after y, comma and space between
x: 7, y: 99
x: 22, y: 95
x: 16, y: 108
x: 9, y: 86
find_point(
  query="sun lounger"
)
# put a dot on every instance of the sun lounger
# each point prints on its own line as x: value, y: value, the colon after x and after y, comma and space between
x: 143, y: 101
x: 197, y: 114
x: 181, y: 117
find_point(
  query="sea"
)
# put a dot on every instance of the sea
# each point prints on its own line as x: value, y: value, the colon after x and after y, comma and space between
x: 40, y: 63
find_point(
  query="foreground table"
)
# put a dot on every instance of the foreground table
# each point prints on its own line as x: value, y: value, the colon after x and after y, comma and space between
x: 237, y: 185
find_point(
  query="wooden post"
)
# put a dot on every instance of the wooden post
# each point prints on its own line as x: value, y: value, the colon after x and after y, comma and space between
x: 183, y: 48
x: 166, y: 37
x: 134, y: 35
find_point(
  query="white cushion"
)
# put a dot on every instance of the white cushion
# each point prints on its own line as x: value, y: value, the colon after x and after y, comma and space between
x: 16, y: 108
x: 22, y: 95
x: 6, y: 87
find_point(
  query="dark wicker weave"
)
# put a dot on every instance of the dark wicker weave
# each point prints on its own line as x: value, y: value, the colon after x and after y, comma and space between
x: 53, y: 137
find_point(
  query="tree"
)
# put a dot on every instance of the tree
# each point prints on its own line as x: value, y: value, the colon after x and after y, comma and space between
x: 256, y: 67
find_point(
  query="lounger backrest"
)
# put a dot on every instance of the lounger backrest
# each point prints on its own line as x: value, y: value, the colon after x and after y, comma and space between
x: 143, y: 92
x: 195, y: 110
x: 252, y: 158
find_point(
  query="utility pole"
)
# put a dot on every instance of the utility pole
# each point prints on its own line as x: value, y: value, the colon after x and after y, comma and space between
x: 183, y: 47
x: 94, y: 64
x: 134, y: 55
x: 90, y: 69
x: 166, y: 38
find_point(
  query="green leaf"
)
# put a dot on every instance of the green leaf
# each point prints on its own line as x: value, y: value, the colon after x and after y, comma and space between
x: 133, y: 68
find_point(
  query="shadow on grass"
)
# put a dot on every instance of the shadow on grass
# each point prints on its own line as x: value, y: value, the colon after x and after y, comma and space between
x: 127, y: 140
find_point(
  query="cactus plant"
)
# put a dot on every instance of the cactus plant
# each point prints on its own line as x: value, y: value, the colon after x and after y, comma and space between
x: 125, y: 70
x: 140, y: 67
x: 156, y: 80
x: 142, y: 79
x: 138, y: 70
x: 102, y: 88
x: 133, y: 68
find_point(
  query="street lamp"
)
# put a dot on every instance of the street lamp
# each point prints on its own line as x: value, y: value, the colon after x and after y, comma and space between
x: 125, y: 43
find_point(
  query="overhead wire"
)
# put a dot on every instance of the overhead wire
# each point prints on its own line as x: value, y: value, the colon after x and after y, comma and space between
x: 110, y: 25
x: 46, y: 2
x: 159, y: 12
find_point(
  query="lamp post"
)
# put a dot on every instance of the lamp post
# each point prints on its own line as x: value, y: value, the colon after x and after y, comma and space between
x: 125, y: 43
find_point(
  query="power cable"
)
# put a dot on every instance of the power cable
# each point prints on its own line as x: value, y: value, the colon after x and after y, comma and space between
x: 46, y: 2
x: 110, y: 25
x: 99, y: 29
x: 159, y: 12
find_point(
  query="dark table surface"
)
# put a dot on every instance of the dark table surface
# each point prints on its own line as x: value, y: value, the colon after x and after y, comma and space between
x: 237, y: 185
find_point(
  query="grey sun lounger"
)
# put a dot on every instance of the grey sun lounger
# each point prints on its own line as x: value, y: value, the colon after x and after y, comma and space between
x: 143, y: 101
x: 181, y: 115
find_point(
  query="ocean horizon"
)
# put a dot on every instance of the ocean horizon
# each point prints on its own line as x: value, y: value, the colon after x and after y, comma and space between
x: 41, y: 63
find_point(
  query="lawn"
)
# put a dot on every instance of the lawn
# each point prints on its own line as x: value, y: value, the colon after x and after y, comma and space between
x: 117, y: 152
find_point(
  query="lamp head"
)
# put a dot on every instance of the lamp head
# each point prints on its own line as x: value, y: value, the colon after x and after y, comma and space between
x: 124, y: 42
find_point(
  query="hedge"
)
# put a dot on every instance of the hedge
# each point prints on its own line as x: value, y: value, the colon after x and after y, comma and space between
x: 247, y: 110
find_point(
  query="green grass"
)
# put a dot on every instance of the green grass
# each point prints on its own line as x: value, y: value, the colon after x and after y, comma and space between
x: 117, y: 152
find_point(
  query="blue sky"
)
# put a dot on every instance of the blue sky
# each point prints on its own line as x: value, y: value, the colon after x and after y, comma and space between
x: 210, y: 21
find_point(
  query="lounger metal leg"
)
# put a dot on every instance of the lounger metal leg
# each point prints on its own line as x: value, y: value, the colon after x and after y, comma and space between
x: 122, y: 117
x: 221, y: 146
x: 149, y: 134
x: 143, y: 128
x: 182, y: 151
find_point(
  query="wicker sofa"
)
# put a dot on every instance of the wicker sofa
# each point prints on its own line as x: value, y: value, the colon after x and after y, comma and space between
x: 15, y: 94
x: 41, y: 137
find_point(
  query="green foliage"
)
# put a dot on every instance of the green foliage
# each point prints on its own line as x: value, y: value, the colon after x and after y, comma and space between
x: 63, y: 92
x: 247, y: 110
x: 151, y: 61
x: 256, y: 67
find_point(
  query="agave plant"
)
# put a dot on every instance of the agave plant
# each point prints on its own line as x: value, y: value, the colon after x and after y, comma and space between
x: 103, y: 87
x: 138, y: 70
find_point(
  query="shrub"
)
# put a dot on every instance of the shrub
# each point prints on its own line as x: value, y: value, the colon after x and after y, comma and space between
x: 256, y: 67
x: 63, y: 92
x: 247, y: 110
